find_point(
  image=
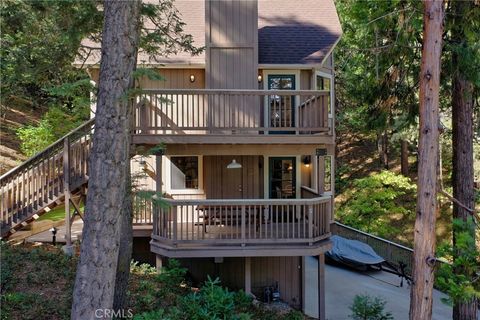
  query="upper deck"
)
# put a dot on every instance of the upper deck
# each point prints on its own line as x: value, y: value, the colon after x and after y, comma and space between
x: 207, y: 116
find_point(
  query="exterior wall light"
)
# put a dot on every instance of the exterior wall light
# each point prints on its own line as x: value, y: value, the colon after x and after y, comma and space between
x: 307, y: 160
x: 260, y: 78
x: 234, y: 165
x: 192, y: 78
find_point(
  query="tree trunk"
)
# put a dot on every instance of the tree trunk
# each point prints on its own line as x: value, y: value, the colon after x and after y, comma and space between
x: 109, y: 183
x: 404, y: 157
x: 462, y: 141
x: 385, y: 149
x: 424, y: 237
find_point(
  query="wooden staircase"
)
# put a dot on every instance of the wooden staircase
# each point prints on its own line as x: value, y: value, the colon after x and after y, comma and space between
x: 45, y: 180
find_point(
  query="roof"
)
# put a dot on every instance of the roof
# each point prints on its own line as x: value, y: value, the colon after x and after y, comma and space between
x: 289, y: 32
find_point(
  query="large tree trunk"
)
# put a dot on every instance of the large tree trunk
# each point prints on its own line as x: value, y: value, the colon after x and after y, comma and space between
x: 108, y: 188
x: 424, y: 237
x: 462, y: 141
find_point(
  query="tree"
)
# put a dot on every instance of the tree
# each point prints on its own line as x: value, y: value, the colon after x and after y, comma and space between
x: 428, y: 148
x: 462, y: 138
x: 108, y: 204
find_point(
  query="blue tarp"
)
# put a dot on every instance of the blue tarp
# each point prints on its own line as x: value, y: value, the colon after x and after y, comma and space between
x: 353, y: 253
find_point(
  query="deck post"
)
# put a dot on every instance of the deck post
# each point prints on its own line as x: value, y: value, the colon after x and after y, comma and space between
x: 66, y: 190
x: 321, y: 286
x: 158, y: 190
x: 248, y: 275
x: 158, y: 262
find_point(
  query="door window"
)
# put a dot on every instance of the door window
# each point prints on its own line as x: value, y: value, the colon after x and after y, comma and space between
x: 282, y: 178
x: 281, y: 107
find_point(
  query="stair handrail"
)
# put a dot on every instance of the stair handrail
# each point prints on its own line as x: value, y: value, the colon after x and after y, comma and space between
x: 46, y: 150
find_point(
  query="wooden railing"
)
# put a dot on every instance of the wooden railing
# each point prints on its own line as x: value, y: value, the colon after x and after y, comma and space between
x: 178, y: 111
x: 242, y: 222
x: 41, y: 180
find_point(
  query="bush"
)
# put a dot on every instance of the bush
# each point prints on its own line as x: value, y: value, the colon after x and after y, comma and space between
x: 365, y: 307
x: 372, y: 201
x: 53, y: 125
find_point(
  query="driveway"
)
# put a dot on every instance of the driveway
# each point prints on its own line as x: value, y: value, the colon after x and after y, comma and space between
x: 343, y: 284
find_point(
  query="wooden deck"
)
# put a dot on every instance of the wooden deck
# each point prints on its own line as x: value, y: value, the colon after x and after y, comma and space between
x: 202, y: 227
x: 232, y: 116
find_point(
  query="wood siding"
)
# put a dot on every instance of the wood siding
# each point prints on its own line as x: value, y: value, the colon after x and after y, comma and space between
x: 223, y: 183
x: 231, y: 44
x: 266, y: 271
x: 174, y: 79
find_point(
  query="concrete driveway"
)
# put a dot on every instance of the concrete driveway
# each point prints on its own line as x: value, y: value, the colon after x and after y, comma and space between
x: 343, y: 284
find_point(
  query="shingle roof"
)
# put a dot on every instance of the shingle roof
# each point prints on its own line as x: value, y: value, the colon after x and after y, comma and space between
x: 289, y: 32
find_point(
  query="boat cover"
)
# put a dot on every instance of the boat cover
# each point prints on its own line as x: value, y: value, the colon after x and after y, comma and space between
x: 353, y: 253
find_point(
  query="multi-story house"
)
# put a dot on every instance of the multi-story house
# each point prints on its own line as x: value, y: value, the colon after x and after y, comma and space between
x: 247, y: 165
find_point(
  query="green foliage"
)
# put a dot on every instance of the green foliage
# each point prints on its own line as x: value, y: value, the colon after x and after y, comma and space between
x: 365, y: 307
x: 40, y: 40
x: 459, y: 278
x: 210, y: 302
x: 370, y: 201
x: 27, y: 278
x: 53, y: 125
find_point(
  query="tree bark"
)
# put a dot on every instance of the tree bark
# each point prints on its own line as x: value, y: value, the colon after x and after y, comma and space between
x: 462, y: 141
x: 404, y: 157
x: 424, y: 237
x: 109, y: 181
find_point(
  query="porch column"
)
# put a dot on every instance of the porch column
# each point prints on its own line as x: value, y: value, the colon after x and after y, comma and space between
x: 248, y: 275
x: 158, y: 169
x: 158, y: 262
x: 321, y: 286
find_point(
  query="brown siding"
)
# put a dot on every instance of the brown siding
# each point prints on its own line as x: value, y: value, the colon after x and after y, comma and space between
x: 266, y: 271
x: 305, y: 80
x: 174, y: 79
x: 223, y: 183
x: 231, y: 44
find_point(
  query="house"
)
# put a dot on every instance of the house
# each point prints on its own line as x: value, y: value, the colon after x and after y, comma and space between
x: 248, y: 134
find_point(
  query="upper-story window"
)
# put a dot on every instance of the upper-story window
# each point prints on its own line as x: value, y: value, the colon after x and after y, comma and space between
x: 184, y: 172
x: 324, y: 82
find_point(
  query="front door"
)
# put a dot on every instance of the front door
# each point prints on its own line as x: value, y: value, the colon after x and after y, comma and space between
x: 281, y: 108
x: 282, y: 177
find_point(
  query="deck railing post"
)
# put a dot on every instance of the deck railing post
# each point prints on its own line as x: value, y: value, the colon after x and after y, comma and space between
x: 243, y: 225
x: 310, y: 223
x: 66, y: 190
x: 173, y: 208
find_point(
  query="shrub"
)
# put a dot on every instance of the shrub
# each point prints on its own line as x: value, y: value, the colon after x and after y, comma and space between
x: 53, y: 125
x: 365, y: 307
x: 373, y: 200
x: 459, y: 278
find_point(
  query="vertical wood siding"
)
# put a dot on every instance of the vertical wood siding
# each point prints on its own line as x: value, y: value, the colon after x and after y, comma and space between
x: 223, y: 183
x: 266, y: 271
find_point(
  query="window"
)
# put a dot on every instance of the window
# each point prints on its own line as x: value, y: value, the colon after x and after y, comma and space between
x: 282, y: 177
x: 324, y: 82
x: 184, y: 172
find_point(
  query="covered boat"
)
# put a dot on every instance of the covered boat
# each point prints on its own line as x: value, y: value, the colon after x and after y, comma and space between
x: 353, y: 253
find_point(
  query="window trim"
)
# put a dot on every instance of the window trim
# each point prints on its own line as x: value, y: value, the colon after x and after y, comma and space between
x: 332, y: 96
x: 168, y: 175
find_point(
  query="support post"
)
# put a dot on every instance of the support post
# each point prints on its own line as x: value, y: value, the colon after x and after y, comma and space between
x: 158, y: 262
x: 321, y: 286
x: 66, y: 190
x: 158, y: 189
x: 248, y: 275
